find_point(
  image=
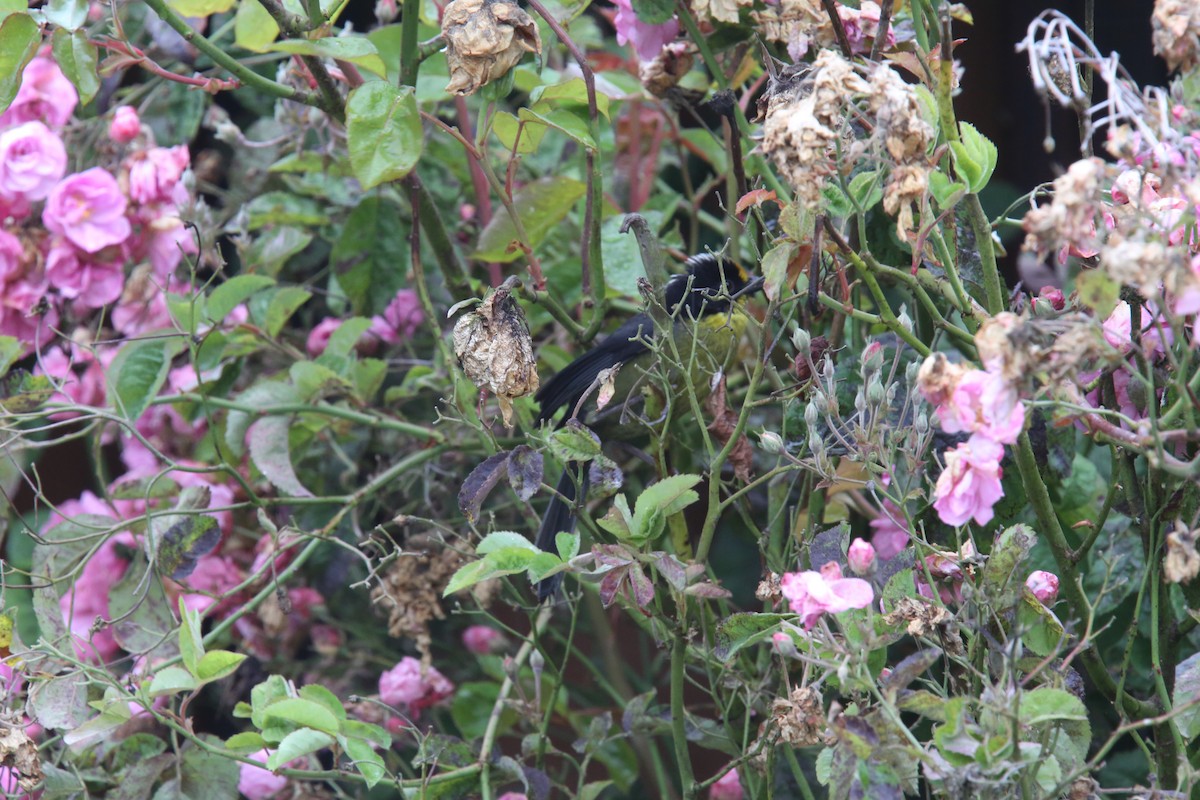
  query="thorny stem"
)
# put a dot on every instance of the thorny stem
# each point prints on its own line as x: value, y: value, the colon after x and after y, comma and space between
x: 678, y: 720
x: 330, y: 99
x: 247, y: 76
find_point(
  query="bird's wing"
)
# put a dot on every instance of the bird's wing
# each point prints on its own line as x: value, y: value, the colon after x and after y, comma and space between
x: 566, y: 387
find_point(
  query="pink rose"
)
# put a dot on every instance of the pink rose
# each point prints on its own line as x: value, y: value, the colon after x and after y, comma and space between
x: 480, y: 639
x: 861, y: 557
x: 45, y: 95
x: 87, y: 282
x: 154, y: 175
x: 32, y: 160
x: 512, y: 796
x: 889, y: 535
x: 947, y: 575
x: 125, y: 125
x: 88, y: 597
x: 811, y: 594
x: 25, y: 313
x: 257, y: 783
x: 89, y: 210
x: 12, y: 257
x: 1044, y: 586
x: 986, y: 404
x: 405, y: 687
x: 970, y: 483
x: 647, y: 39
x: 214, y: 576
x: 728, y: 787
x: 318, y: 337
x: 401, y: 318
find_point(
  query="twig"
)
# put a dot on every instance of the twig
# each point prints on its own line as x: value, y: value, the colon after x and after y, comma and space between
x: 885, y: 22
x: 838, y: 28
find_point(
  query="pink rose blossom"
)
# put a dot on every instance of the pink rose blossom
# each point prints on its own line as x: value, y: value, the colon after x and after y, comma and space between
x: 890, y: 536
x: 861, y: 556
x: 214, y: 576
x: 647, y: 39
x: 862, y: 26
x: 12, y: 257
x: 513, y: 796
x: 400, y: 320
x: 986, y: 404
x: 45, y: 95
x: 970, y: 483
x: 86, y: 280
x: 947, y: 576
x: 407, y: 688
x: 257, y: 783
x: 1044, y: 586
x: 87, y: 598
x: 480, y: 639
x: 25, y: 313
x: 318, y: 337
x: 728, y: 787
x: 89, y: 210
x: 811, y: 594
x: 154, y: 175
x: 32, y: 160
x: 125, y: 125
x: 783, y: 644
x: 1049, y: 300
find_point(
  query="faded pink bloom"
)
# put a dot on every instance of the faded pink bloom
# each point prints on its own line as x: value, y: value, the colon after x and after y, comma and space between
x: 1049, y: 300
x: 45, y: 95
x: 647, y: 40
x: 214, y: 576
x: 26, y: 313
x: 405, y: 687
x: 984, y: 403
x: 890, y: 536
x: 87, y: 598
x: 1044, y: 586
x: 400, y: 320
x: 861, y: 556
x: 947, y: 576
x: 89, y: 210
x: 970, y: 483
x: 154, y: 175
x: 125, y: 125
x: 318, y: 337
x: 783, y: 644
x: 862, y: 26
x: 79, y: 376
x: 729, y: 787
x: 11, y: 787
x: 257, y: 783
x: 811, y: 594
x: 32, y: 160
x: 481, y: 639
x: 88, y: 281
x: 12, y: 257
x: 513, y: 796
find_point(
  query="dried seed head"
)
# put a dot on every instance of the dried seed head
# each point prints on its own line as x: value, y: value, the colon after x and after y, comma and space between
x: 938, y: 378
x: 1182, y: 562
x: 662, y: 74
x: 800, y: 719
x: 484, y: 40
x: 494, y: 348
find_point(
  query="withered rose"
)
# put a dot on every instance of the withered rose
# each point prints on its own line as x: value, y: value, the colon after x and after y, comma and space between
x: 493, y: 345
x: 484, y: 40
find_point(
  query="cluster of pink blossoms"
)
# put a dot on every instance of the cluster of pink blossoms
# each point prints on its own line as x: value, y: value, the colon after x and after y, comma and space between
x: 410, y: 687
x: 67, y: 240
x: 984, y: 404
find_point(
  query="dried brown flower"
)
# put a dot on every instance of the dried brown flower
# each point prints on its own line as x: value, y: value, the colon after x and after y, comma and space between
x: 769, y: 589
x: 799, y: 720
x: 484, y: 40
x: 1070, y: 218
x: 1182, y: 562
x: 796, y: 23
x: 997, y: 350
x: 922, y: 616
x: 938, y: 378
x: 411, y: 589
x: 1176, y: 25
x: 493, y: 345
x: 662, y: 74
x: 19, y: 753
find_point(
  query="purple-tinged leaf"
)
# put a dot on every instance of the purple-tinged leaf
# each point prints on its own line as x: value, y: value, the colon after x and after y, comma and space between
x: 480, y: 483
x: 268, y: 439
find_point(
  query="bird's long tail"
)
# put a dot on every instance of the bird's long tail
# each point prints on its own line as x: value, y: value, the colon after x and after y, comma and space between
x: 559, y: 518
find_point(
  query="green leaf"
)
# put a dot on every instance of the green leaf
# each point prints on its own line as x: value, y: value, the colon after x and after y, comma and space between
x: 572, y: 92
x: 564, y: 120
x: 1002, y: 579
x: 383, y: 132
x: 191, y: 643
x: 322, y: 696
x: 506, y: 127
x: 272, y: 690
x: 472, y: 706
x: 622, y: 258
x: 78, y: 58
x: 500, y: 540
x: 1042, y: 632
x: 1046, y: 704
x: 10, y: 350
x: 775, y: 266
x: 19, y: 40
x: 208, y: 775
x: 742, y: 630
x: 366, y: 760
x: 217, y: 664
x: 269, y: 451
x: 358, y: 50
x: 574, y: 442
x: 235, y: 291
x: 836, y: 202
x: 245, y: 743
x: 200, y: 8
x: 343, y: 340
x: 654, y: 12
x: 259, y: 396
x: 284, y: 303
x: 68, y: 14
x: 866, y: 189
x: 357, y: 729
x: 659, y: 501
x: 974, y: 157
x: 171, y: 680
x: 567, y: 545
x: 541, y: 205
x: 370, y: 277
x: 467, y: 576
x: 306, y: 713
x: 183, y: 541
x: 22, y: 392
x: 947, y: 193
x: 136, y: 375
x: 253, y: 28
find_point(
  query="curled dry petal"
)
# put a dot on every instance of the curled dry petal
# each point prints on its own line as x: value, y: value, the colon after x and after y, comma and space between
x: 493, y: 345
x: 484, y: 40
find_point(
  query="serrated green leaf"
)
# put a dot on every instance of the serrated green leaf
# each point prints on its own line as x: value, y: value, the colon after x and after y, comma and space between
x: 659, y: 501
x: 506, y: 126
x: 268, y: 439
x: 383, y: 132
x: 866, y: 189
x: 571, y: 92
x: 171, y: 680
x: 980, y: 151
x: 218, y: 664
x: 322, y: 696
x: 191, y: 643
x: 366, y: 761
x: 296, y: 744
x: 78, y: 58
x: 233, y: 292
x: 19, y: 40
x: 564, y: 120
x: 284, y: 303
x: 500, y: 540
x: 358, y: 50
x: 67, y: 14
x: 306, y: 713
x: 245, y: 743
x: 136, y: 375
x: 574, y: 442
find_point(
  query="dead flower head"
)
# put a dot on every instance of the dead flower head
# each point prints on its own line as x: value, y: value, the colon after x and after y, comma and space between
x: 1176, y: 38
x: 493, y: 345
x: 19, y: 754
x: 1182, y: 562
x: 938, y: 378
x: 411, y: 589
x: 484, y: 40
x: 800, y: 719
x: 1070, y: 218
x: 664, y: 72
